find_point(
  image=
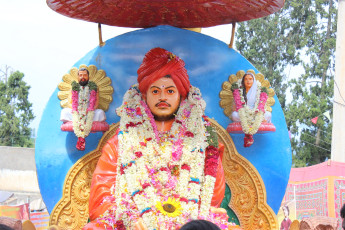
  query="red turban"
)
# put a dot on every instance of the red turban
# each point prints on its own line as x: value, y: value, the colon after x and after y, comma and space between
x: 159, y: 63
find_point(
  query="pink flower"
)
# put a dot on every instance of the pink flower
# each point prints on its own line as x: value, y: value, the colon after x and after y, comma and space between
x: 186, y: 113
x: 92, y: 101
x: 262, y: 103
x: 237, y: 99
x: 152, y: 120
x: 177, y: 152
x: 75, y: 95
x: 211, y: 161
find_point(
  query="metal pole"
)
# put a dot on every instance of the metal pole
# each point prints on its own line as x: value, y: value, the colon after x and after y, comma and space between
x: 338, y: 131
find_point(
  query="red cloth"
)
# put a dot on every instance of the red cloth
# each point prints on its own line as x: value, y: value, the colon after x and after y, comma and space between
x: 158, y: 63
x: 285, y: 225
x: 104, y: 178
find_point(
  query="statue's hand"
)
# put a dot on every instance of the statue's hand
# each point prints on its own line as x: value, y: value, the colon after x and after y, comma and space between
x: 140, y: 225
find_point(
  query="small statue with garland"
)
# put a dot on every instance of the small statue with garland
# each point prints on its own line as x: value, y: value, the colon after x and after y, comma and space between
x: 250, y: 111
x: 82, y: 114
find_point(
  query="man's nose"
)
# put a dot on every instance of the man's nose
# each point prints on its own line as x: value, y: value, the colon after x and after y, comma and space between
x: 162, y: 96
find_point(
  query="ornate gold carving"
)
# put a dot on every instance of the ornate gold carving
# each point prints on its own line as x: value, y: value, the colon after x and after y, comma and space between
x: 105, y: 90
x: 72, y: 211
x: 248, y: 193
x: 227, y: 99
x: 247, y: 188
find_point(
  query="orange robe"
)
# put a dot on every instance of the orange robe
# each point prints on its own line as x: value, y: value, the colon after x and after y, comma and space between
x: 104, y: 178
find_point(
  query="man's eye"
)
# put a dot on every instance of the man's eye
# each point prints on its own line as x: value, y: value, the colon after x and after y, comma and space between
x: 155, y: 91
x: 171, y: 91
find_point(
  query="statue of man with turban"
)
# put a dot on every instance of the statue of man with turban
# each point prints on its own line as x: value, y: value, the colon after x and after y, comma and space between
x: 163, y: 167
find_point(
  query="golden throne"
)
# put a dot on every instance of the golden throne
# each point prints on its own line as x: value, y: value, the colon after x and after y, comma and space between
x: 248, y: 193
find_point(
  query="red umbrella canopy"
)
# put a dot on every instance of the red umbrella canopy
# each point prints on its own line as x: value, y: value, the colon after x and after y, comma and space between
x: 178, y: 13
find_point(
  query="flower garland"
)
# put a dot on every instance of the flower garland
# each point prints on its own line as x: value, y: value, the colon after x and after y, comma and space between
x: 83, y: 106
x: 167, y: 182
x: 251, y: 119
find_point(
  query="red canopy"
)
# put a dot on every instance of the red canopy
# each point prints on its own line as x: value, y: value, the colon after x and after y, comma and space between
x: 178, y: 13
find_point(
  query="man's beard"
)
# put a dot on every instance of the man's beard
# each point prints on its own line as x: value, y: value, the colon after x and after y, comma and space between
x: 83, y: 83
x: 164, y: 117
x: 167, y: 117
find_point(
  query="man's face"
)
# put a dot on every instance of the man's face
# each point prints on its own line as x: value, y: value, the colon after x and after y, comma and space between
x: 163, y: 99
x: 286, y: 212
x: 83, y: 77
x: 248, y: 81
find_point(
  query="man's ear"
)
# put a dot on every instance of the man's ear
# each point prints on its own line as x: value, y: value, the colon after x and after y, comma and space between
x: 144, y: 96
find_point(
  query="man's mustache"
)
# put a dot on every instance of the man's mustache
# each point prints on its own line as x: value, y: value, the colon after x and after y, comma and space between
x: 83, y: 82
x: 162, y: 102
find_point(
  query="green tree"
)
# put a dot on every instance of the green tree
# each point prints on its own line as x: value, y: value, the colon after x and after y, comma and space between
x: 15, y: 112
x: 271, y: 45
x: 302, y: 33
x: 313, y: 90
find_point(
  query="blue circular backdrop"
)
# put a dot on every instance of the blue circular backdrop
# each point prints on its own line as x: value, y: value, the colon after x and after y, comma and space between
x: 209, y: 63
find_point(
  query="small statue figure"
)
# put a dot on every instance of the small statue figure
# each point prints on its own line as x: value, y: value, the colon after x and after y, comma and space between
x: 286, y: 223
x: 249, y: 109
x: 250, y: 88
x: 82, y: 115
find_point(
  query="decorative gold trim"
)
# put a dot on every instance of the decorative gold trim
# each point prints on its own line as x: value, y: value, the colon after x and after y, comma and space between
x: 72, y: 211
x: 105, y: 90
x: 227, y: 99
x: 247, y: 188
x: 248, y: 193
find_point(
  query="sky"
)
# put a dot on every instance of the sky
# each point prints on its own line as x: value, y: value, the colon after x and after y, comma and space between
x: 44, y: 45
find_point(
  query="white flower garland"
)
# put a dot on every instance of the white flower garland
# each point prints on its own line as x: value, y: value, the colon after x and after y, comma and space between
x: 82, y: 119
x: 143, y: 161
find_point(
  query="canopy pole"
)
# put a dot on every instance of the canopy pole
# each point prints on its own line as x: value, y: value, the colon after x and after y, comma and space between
x: 101, y: 43
x: 232, y: 35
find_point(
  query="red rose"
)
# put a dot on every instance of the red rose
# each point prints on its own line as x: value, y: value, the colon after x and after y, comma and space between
x: 138, y: 111
x: 138, y: 154
x: 186, y: 167
x: 189, y: 134
x: 145, y: 185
